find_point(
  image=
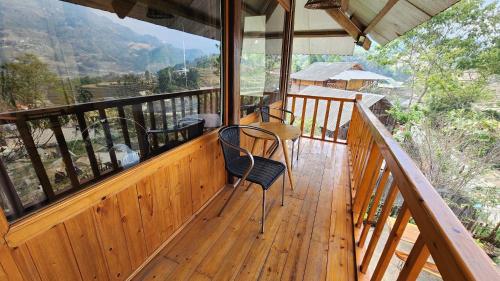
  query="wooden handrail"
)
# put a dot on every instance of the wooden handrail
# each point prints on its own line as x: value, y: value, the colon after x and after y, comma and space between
x: 451, y: 246
x: 33, y: 114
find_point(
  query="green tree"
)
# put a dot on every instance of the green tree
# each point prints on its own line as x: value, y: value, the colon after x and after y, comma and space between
x: 25, y: 82
x: 440, y: 53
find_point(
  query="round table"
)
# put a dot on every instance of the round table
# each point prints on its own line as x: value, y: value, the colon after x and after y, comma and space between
x: 283, y: 131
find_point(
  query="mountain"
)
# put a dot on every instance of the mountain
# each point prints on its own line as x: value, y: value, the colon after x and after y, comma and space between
x: 76, y: 41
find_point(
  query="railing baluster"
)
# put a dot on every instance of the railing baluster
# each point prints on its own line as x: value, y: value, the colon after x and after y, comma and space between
x: 152, y: 121
x: 337, y: 126
x: 302, y: 121
x: 63, y: 148
x: 386, y: 211
x: 373, y: 177
x: 415, y: 262
x: 140, y: 129
x: 164, y: 119
x: 88, y: 144
x: 376, y: 200
x: 174, y: 111
x: 109, y: 138
x: 325, y: 122
x: 29, y: 144
x: 205, y: 103
x: 191, y: 105
x: 10, y: 192
x: 123, y: 124
x: 313, y: 126
x: 183, y: 107
x: 198, y: 103
x: 392, y: 242
x: 217, y: 100
x: 366, y: 179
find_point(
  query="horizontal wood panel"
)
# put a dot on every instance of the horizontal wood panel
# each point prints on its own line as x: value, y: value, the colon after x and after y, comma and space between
x: 110, y: 230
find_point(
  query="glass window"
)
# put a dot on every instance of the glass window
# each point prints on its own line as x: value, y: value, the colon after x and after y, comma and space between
x: 90, y: 88
x: 263, y: 26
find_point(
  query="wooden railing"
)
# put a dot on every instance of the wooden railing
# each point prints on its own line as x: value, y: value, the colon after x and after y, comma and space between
x: 321, y: 110
x: 379, y: 166
x: 168, y: 108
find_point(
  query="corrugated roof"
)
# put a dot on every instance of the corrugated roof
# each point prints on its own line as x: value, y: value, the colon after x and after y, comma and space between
x: 358, y: 75
x: 368, y: 100
x: 322, y: 71
x: 402, y: 17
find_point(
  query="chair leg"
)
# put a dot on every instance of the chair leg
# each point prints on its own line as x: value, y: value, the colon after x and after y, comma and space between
x: 298, y: 148
x: 263, y: 210
x: 283, y: 191
x: 293, y: 148
x: 230, y: 196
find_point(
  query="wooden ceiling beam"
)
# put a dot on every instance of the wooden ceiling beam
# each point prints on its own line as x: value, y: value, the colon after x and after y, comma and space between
x: 123, y: 7
x: 249, y: 10
x: 343, y: 20
x: 286, y: 4
x: 387, y: 7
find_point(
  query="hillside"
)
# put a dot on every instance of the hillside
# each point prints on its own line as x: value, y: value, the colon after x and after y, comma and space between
x: 75, y: 41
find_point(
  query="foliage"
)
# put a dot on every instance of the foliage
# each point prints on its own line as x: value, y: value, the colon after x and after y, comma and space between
x: 300, y: 62
x: 170, y: 80
x: 26, y: 81
x: 437, y: 55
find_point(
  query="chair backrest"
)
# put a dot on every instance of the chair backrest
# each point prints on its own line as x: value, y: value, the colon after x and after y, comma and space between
x: 230, y: 136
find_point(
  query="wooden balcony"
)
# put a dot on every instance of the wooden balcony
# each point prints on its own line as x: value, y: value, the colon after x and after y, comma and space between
x: 157, y: 220
x: 310, y: 238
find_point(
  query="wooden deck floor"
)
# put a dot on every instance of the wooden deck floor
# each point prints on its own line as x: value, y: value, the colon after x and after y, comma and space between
x: 310, y: 238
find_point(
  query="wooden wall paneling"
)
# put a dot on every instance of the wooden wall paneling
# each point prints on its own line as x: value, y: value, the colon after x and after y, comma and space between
x: 85, y: 244
x: 25, y: 263
x: 200, y: 177
x: 53, y: 256
x: 150, y: 214
x: 132, y: 225
x: 215, y: 169
x: 180, y: 186
x: 113, y: 242
x: 162, y: 191
x: 8, y: 267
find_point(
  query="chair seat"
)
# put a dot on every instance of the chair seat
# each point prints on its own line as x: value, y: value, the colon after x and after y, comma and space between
x: 264, y: 171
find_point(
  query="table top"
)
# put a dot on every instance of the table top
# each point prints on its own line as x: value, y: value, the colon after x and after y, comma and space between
x: 284, y: 131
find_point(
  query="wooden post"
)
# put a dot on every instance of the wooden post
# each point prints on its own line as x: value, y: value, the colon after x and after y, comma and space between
x: 232, y: 37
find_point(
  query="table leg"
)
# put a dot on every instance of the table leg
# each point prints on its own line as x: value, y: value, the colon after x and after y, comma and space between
x: 254, y: 145
x: 287, y: 162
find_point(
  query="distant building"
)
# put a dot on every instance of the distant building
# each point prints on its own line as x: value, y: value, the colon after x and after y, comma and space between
x: 337, y: 75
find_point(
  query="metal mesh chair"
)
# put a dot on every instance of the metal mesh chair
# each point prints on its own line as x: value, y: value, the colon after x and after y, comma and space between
x: 266, y: 116
x: 241, y: 164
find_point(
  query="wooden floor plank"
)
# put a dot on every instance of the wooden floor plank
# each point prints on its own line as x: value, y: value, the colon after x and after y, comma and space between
x: 310, y: 238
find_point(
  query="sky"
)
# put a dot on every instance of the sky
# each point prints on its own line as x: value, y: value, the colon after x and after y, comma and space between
x: 164, y: 34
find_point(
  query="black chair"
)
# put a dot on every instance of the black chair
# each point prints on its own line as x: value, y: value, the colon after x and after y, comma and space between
x: 266, y: 116
x: 241, y: 164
